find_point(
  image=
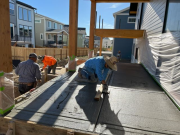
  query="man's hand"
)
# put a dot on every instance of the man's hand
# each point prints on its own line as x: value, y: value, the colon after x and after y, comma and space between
x: 103, y: 82
x: 39, y: 81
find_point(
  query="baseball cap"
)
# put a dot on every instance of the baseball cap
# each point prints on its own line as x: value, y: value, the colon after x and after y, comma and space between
x: 32, y: 55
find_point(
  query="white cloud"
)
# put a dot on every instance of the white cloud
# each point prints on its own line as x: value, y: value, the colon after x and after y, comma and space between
x: 108, y: 26
x: 115, y: 5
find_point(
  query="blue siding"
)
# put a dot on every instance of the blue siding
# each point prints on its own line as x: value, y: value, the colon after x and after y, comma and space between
x: 122, y: 44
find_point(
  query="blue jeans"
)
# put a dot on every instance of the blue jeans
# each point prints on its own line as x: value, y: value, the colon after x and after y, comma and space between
x: 89, y: 73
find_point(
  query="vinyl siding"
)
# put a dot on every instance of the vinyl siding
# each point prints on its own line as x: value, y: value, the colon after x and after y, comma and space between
x: 39, y: 28
x: 153, y: 16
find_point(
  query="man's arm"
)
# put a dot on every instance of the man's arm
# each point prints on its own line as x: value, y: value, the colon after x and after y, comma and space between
x: 99, y: 71
x: 38, y: 73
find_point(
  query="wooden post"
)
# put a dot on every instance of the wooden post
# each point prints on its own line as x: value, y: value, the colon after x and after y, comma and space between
x: 100, y: 51
x: 73, y: 24
x: 5, y: 40
x: 92, y: 28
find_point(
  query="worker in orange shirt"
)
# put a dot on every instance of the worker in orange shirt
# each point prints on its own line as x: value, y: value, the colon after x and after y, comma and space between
x: 49, y: 61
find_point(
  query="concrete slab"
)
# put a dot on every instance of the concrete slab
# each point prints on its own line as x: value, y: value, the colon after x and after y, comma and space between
x: 136, y: 105
x: 62, y: 102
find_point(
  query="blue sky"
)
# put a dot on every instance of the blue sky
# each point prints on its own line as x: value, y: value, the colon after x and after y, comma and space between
x: 59, y: 10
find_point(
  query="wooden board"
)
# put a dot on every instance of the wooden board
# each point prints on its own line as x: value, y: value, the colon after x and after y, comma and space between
x: 33, y: 128
x: 119, y: 33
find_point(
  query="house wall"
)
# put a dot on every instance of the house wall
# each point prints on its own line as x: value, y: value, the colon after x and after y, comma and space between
x: 13, y: 18
x: 80, y: 41
x: 159, y: 52
x: 122, y: 44
x: 27, y: 23
x: 39, y: 28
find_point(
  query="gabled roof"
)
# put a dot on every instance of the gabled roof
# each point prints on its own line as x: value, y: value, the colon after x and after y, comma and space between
x: 24, y: 4
x: 48, y: 18
x: 121, y: 11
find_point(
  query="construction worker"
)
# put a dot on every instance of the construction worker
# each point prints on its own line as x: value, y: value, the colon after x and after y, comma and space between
x: 49, y: 61
x: 97, y: 68
x: 29, y: 73
x: 119, y: 56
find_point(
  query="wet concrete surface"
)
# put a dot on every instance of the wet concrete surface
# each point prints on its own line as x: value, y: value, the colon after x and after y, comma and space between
x: 135, y: 105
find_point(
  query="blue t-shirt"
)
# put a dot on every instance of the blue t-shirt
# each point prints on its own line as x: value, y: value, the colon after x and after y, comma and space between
x: 97, y: 65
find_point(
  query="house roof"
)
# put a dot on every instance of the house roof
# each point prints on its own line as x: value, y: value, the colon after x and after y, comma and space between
x: 24, y: 4
x: 48, y: 18
x: 57, y: 31
x: 121, y: 11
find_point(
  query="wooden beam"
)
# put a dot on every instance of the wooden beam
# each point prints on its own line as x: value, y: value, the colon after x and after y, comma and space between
x: 92, y: 25
x: 133, y: 12
x: 100, y: 51
x: 5, y: 40
x: 119, y: 33
x: 120, y: 1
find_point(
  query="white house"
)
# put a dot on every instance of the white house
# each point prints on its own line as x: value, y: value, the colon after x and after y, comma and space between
x: 107, y: 43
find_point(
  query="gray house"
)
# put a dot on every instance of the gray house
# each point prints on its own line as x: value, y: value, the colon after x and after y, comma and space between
x: 49, y: 32
x: 158, y: 51
x: 123, y: 21
x: 13, y: 17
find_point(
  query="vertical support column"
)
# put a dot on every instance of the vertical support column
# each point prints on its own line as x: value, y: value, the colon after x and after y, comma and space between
x: 5, y: 40
x: 92, y: 29
x: 100, y: 51
x: 73, y: 24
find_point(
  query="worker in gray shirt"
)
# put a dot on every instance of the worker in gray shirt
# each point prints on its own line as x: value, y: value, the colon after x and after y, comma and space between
x: 29, y: 73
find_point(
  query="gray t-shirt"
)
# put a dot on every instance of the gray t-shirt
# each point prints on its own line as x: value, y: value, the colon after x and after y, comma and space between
x: 28, y: 71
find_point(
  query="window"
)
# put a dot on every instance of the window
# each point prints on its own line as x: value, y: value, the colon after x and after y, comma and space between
x: 49, y: 36
x: 30, y: 31
x: 12, y: 30
x: 21, y: 30
x: 49, y: 24
x: 60, y: 26
x: 11, y: 8
x: 25, y: 17
x: 20, y: 13
x: 37, y: 21
x: 172, y: 22
x: 131, y: 19
x: 41, y: 36
x: 29, y: 16
x: 26, y: 31
x: 136, y: 54
x: 55, y: 25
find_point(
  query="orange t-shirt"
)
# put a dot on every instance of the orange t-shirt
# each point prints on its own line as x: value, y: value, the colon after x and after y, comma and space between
x: 48, y: 61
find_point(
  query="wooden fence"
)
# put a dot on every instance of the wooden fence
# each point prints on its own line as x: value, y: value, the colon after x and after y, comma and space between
x: 21, y: 53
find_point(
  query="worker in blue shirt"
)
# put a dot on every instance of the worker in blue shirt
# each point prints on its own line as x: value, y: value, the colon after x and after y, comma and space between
x: 29, y: 73
x: 98, y: 67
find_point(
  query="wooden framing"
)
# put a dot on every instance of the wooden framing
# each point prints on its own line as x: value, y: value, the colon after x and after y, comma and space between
x: 32, y: 128
x: 114, y: 1
x: 5, y: 40
x: 119, y: 33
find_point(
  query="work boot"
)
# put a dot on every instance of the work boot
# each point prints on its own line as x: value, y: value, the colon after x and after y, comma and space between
x: 79, y: 73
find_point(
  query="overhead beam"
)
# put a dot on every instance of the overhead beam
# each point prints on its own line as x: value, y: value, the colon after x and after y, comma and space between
x: 121, y: 1
x: 119, y: 33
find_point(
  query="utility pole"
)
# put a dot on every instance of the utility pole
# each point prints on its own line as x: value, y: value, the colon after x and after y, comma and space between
x: 102, y: 23
x: 99, y: 22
